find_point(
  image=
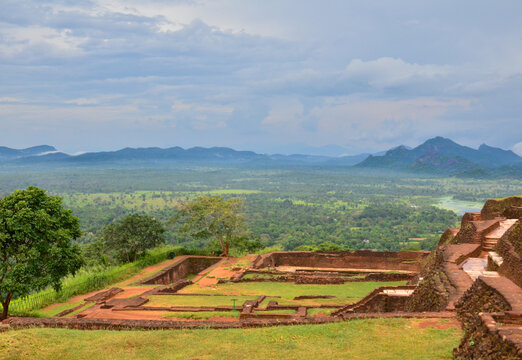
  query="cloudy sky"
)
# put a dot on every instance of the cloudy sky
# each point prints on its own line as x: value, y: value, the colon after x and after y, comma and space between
x: 268, y: 75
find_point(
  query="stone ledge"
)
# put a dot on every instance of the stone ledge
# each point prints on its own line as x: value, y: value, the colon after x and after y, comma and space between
x: 120, y: 324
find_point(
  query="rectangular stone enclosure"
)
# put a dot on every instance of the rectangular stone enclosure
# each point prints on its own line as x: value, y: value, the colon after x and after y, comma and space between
x: 361, y: 259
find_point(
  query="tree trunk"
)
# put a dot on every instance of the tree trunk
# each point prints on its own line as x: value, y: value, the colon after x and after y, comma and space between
x: 5, y: 305
x: 224, y: 251
x: 227, y: 249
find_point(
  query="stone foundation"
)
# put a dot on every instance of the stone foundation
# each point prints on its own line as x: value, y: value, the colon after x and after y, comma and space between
x: 181, y: 269
x: 362, y: 259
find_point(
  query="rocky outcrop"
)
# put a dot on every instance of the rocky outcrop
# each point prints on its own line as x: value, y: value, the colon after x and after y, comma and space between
x: 494, y: 208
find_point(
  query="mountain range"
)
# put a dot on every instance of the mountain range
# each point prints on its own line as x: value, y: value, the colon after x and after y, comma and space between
x: 442, y: 154
x: 435, y: 156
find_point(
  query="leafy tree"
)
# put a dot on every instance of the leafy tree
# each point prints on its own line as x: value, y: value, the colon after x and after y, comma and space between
x: 132, y: 236
x: 35, y: 243
x: 329, y: 246
x: 214, y: 217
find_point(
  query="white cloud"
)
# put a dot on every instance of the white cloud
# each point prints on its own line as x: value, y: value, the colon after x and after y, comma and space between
x: 9, y: 99
x: 83, y: 101
x: 517, y: 148
x: 285, y: 113
x: 360, y: 73
x: 206, y: 108
x: 368, y: 123
x: 389, y: 72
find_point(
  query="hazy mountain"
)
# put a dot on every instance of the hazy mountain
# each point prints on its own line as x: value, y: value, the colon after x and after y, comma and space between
x: 8, y: 153
x: 437, y: 156
x: 220, y: 155
x: 441, y: 155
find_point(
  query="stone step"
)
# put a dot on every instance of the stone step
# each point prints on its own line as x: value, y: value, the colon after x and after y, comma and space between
x: 496, y: 258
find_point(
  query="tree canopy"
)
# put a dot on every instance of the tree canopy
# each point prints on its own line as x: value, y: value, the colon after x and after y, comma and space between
x: 214, y: 217
x: 130, y: 237
x: 35, y: 243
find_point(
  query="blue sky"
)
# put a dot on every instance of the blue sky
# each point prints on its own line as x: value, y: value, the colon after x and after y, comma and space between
x: 264, y: 75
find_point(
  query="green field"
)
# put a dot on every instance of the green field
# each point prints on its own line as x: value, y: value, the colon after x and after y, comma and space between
x: 356, y: 340
x: 285, y: 208
x: 173, y: 300
x: 284, y: 292
x: 458, y: 206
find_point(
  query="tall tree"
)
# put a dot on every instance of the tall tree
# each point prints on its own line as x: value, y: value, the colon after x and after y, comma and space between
x: 35, y: 243
x: 215, y: 217
x: 132, y: 236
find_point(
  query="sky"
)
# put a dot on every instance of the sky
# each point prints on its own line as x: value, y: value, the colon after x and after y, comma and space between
x: 269, y: 76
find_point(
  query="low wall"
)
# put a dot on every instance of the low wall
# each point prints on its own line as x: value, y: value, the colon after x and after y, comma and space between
x: 488, y: 301
x: 378, y: 302
x: 362, y: 259
x: 512, y: 262
x: 180, y: 269
x: 490, y: 339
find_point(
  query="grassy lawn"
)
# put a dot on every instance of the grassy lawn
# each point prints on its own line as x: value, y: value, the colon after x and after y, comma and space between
x: 201, y: 314
x: 347, y: 292
x: 59, y: 308
x: 356, y: 340
x: 320, y: 311
x: 173, y: 300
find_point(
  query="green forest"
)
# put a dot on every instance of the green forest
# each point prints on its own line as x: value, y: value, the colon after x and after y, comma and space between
x: 284, y: 208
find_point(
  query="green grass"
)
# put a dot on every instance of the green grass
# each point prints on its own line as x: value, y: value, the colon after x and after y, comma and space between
x: 167, y: 300
x: 317, y: 311
x: 201, y: 314
x: 142, y: 200
x: 347, y: 292
x: 59, y: 308
x: 356, y: 340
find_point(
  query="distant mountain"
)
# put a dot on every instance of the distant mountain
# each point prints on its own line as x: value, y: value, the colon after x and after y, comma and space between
x: 9, y: 154
x: 348, y: 160
x: 381, y: 153
x: 435, y: 156
x: 221, y: 155
x: 442, y: 155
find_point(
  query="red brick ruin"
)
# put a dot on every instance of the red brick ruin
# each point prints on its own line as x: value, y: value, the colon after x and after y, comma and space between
x: 474, y: 274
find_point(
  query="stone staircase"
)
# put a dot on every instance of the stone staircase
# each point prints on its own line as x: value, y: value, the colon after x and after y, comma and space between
x: 491, y: 238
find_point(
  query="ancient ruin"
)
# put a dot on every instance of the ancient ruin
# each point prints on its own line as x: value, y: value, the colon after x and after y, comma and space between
x: 474, y: 275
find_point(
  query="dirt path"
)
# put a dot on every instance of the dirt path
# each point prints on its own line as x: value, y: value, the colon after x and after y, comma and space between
x: 122, y: 284
x: 224, y: 270
x: 147, y: 272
